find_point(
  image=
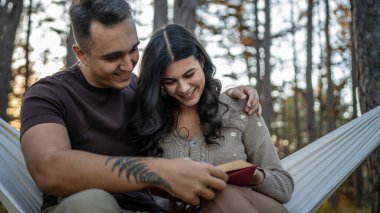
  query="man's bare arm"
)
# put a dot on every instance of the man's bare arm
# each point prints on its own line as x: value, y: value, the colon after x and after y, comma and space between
x: 59, y: 170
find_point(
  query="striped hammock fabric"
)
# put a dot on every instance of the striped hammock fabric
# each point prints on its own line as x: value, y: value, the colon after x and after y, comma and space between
x: 18, y: 193
x: 321, y: 167
x: 317, y: 169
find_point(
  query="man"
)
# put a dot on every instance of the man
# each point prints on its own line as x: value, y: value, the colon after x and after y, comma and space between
x: 74, y: 133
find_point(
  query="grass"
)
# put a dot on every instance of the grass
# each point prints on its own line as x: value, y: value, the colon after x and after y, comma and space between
x: 2, y: 209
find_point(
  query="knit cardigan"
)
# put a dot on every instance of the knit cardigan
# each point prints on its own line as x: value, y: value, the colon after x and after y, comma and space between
x: 245, y: 137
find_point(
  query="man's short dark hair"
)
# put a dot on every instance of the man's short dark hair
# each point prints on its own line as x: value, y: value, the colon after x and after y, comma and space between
x: 106, y: 12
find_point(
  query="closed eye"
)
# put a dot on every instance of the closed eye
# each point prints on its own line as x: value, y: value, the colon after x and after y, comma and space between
x: 189, y: 74
x: 113, y: 56
x: 134, y: 49
x: 168, y: 81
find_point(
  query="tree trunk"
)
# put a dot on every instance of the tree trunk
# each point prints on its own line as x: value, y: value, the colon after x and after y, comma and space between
x: 160, y: 14
x: 184, y: 13
x: 10, y: 12
x: 320, y: 87
x: 354, y: 71
x: 309, y: 85
x: 330, y: 90
x: 257, y: 47
x: 359, y: 182
x: 27, y: 47
x: 334, y: 199
x: 366, y: 17
x: 267, y: 84
x: 321, y: 102
x: 71, y: 58
x: 295, y: 66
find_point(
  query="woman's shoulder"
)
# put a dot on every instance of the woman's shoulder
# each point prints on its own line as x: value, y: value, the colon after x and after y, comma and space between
x: 232, y: 112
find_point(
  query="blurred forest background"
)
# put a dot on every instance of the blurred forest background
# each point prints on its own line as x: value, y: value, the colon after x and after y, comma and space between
x: 315, y: 64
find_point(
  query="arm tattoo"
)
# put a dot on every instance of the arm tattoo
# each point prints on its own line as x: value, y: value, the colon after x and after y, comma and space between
x: 136, y: 167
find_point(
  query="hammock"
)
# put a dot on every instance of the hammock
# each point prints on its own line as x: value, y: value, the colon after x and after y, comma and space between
x: 321, y: 167
x: 318, y: 169
x: 18, y: 192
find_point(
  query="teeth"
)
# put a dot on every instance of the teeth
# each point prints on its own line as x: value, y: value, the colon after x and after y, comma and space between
x: 121, y: 74
x: 189, y: 94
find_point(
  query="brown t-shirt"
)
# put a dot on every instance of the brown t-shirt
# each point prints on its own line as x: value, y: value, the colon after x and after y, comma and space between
x: 96, y: 120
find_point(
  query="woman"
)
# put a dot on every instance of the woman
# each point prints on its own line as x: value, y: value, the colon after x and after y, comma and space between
x: 180, y: 112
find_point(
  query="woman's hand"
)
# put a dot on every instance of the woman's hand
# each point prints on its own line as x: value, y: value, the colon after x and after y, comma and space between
x: 258, y: 177
x: 246, y: 92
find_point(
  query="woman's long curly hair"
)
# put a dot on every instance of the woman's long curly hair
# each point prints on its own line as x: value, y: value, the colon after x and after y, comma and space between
x: 155, y: 115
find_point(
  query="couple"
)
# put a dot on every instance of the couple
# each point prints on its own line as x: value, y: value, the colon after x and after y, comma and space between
x: 82, y: 140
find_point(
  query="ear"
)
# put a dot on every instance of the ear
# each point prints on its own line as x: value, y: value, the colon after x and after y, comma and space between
x: 81, y: 55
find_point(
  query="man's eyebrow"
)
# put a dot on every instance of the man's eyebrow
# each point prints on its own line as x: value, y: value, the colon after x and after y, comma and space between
x: 137, y: 44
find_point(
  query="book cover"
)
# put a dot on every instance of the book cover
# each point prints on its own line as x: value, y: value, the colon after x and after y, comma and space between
x: 239, y: 172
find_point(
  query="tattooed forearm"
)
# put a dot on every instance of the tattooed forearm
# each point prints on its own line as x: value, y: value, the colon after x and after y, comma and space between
x: 137, y: 168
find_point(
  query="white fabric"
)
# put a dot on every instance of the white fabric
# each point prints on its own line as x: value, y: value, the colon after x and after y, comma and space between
x: 318, y: 169
x: 321, y: 167
x: 18, y: 193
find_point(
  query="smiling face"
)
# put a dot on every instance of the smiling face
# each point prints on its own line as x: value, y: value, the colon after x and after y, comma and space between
x: 112, y: 56
x: 184, y: 80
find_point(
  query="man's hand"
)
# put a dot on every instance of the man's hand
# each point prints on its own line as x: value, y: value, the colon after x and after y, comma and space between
x: 246, y: 92
x: 189, y: 180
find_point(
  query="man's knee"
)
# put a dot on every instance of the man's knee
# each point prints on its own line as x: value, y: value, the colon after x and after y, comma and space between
x: 90, y: 200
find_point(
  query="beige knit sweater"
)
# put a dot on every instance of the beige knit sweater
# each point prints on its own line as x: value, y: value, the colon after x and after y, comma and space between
x: 245, y: 137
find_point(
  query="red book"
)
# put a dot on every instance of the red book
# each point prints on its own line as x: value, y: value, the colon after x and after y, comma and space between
x: 239, y: 172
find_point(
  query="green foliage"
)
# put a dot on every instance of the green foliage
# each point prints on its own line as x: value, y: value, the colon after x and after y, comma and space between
x: 349, y: 208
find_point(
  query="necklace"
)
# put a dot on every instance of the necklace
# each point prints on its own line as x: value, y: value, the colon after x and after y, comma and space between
x: 188, y: 124
x: 183, y: 132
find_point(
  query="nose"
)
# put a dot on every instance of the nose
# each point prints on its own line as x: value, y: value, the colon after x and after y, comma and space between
x: 126, y: 63
x: 184, y: 86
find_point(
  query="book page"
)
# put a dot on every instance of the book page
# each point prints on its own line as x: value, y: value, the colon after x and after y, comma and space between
x: 234, y: 165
